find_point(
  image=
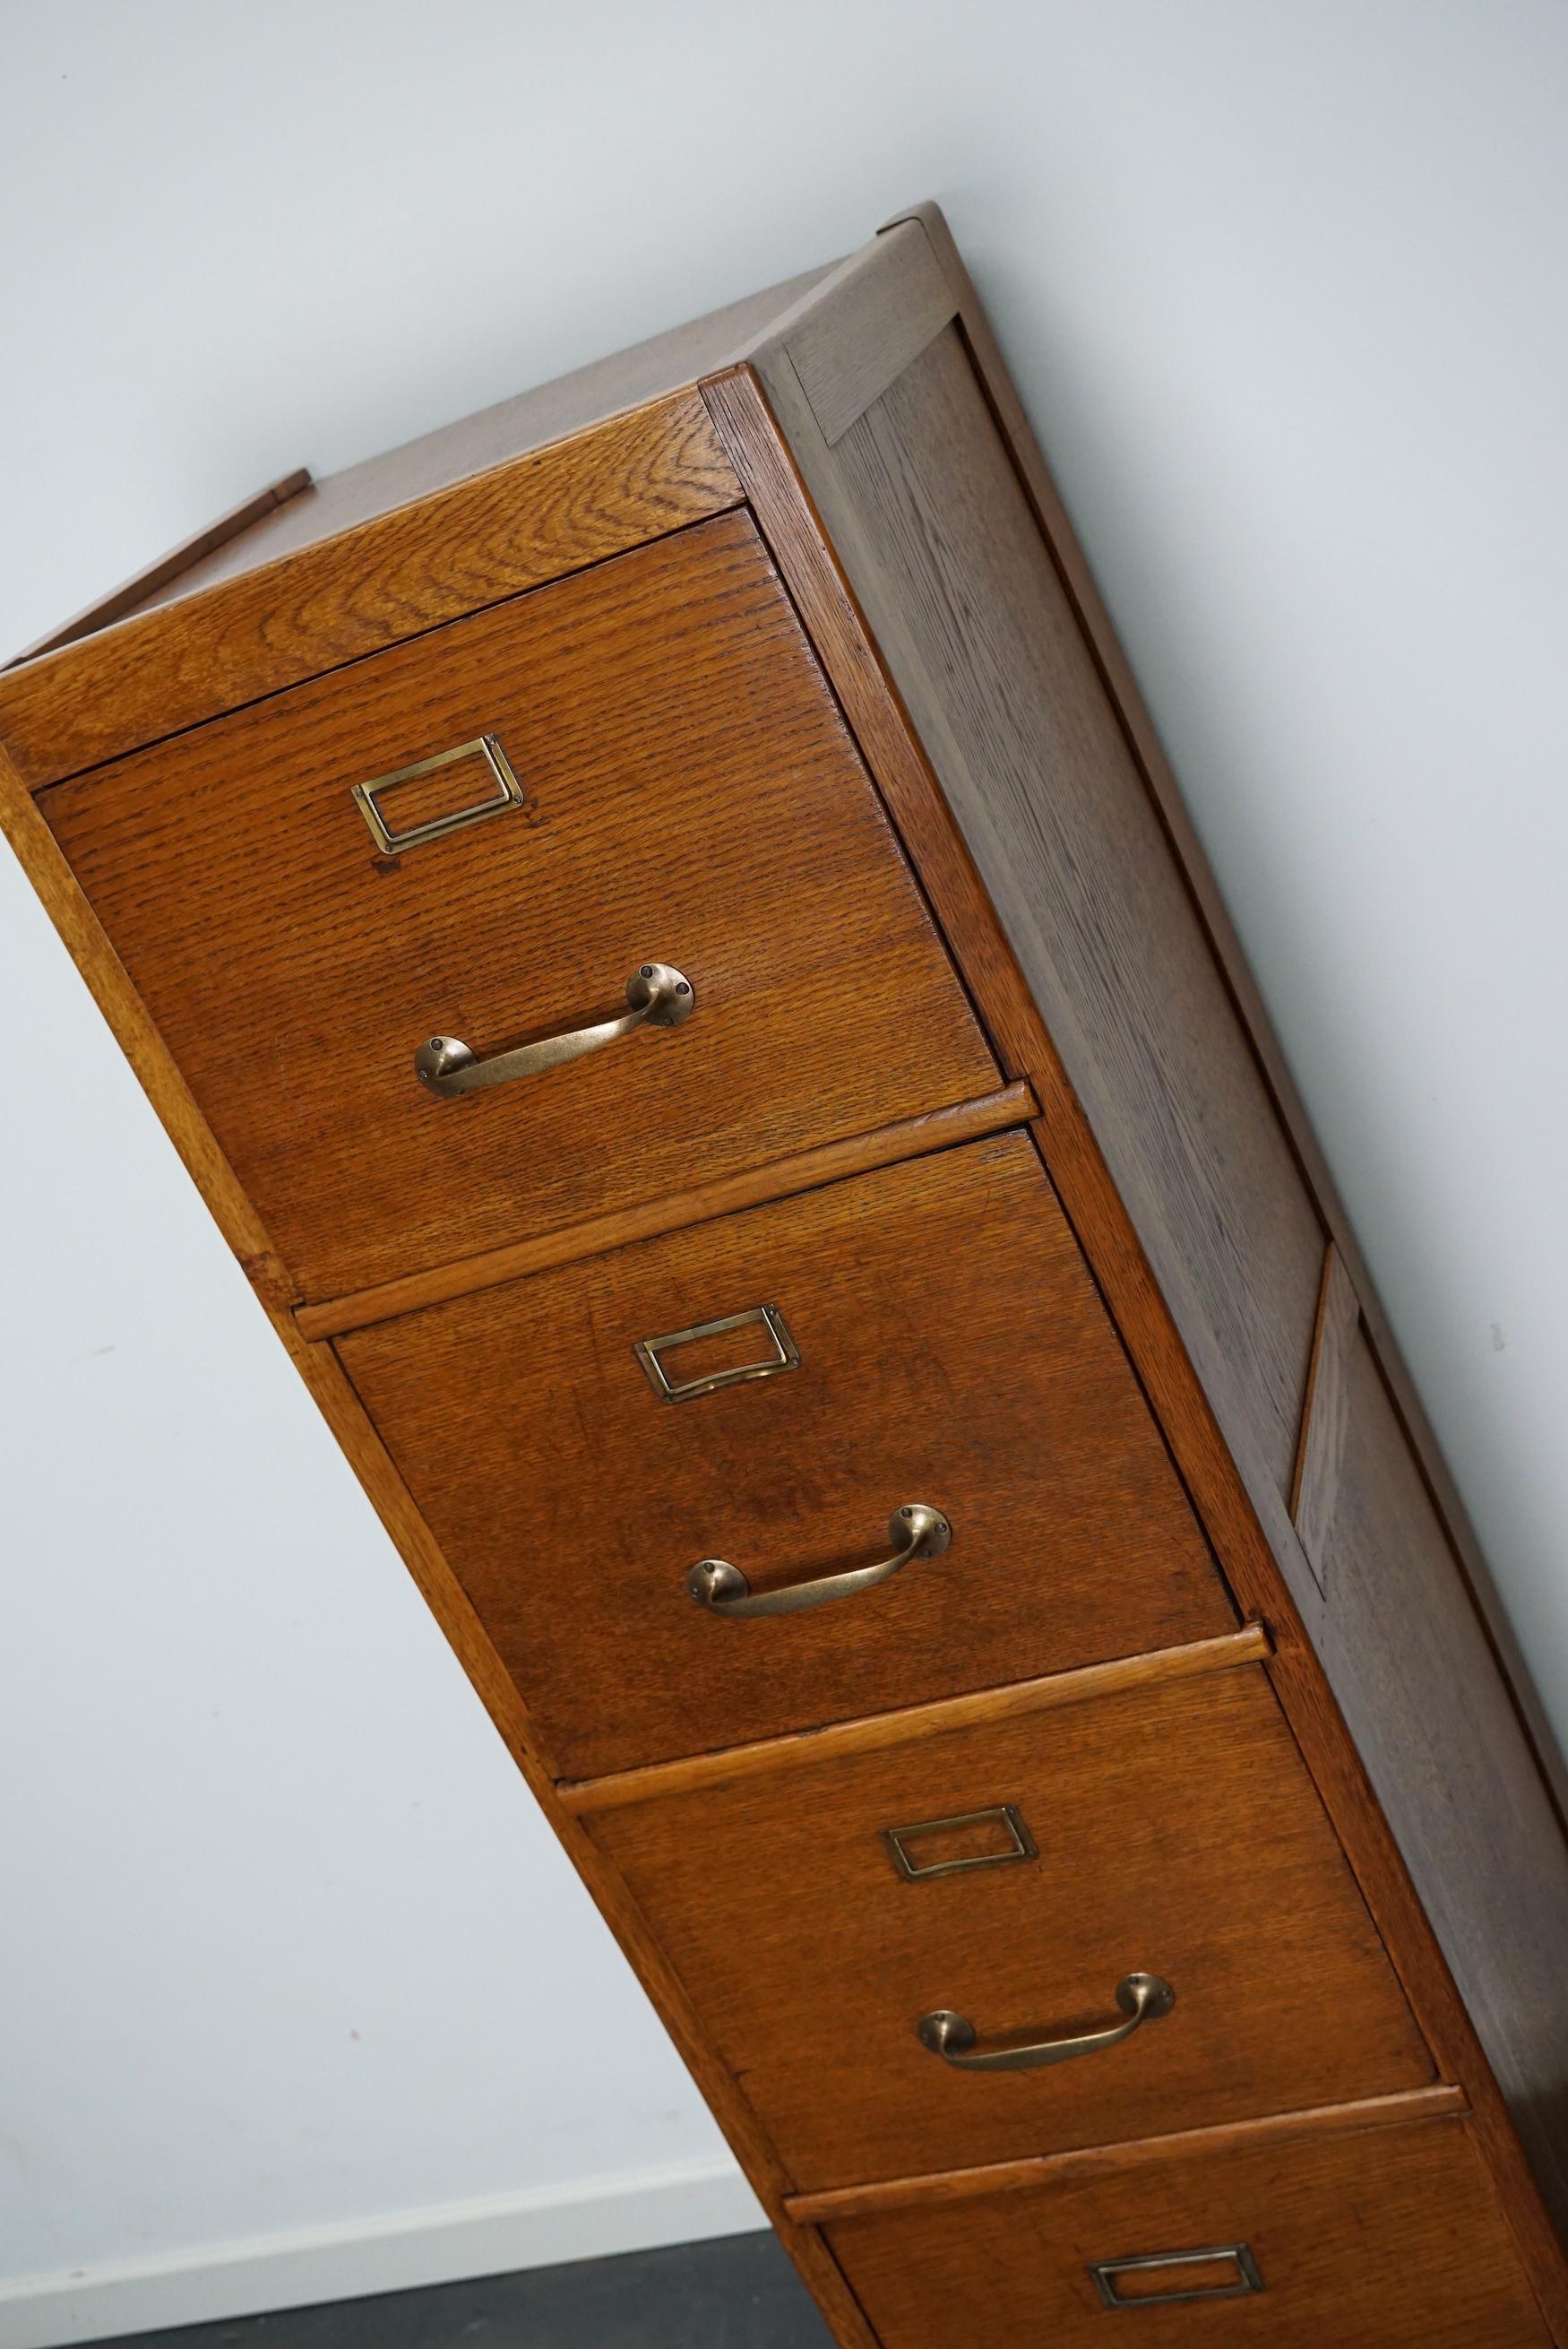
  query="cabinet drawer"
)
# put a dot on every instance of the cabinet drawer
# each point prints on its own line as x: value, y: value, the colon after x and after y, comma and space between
x: 1379, y: 2239
x: 685, y: 795
x: 952, y: 1351
x: 1170, y: 1831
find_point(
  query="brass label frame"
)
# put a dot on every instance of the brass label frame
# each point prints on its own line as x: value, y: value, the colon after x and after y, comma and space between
x: 1249, y: 2279
x: 508, y: 794
x: 1006, y: 1815
x: 785, y: 1354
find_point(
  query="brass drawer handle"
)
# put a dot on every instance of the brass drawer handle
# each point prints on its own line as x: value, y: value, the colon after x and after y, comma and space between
x: 659, y: 997
x: 1143, y: 1998
x: 915, y: 1530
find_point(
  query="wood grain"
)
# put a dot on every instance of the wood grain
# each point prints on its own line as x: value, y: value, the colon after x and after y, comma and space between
x: 1251, y: 1530
x: 391, y: 576
x: 1324, y: 1412
x: 913, y: 1724
x: 1441, y: 1746
x: 1177, y: 1833
x: 168, y: 569
x: 1035, y: 478
x: 693, y: 797
x: 1395, y: 2241
x: 1182, y: 2146
x: 318, y: 1367
x: 465, y: 1635
x: 962, y: 595
x: 139, y: 1040
x: 952, y: 1351
x: 1462, y: 1599
x: 778, y: 1178
x: 1403, y: 1590
x: 863, y: 326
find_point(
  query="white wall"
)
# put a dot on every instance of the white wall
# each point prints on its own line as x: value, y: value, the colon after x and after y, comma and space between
x: 286, y: 1947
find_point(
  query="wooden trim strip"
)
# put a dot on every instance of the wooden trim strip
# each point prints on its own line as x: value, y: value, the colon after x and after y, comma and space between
x: 805, y: 1170
x: 861, y: 328
x: 916, y: 1723
x: 535, y: 518
x: 167, y: 568
x: 1325, y: 1414
x: 837, y: 2204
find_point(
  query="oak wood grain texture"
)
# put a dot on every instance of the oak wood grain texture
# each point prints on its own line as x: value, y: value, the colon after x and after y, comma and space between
x: 318, y: 1367
x: 693, y: 797
x: 1120, y: 1264
x: 561, y: 409
x: 444, y: 1596
x: 1035, y: 478
x: 778, y: 1178
x: 340, y: 1407
x: 960, y: 591
x: 1394, y: 1867
x: 1442, y: 1747
x: 559, y: 510
x: 1236, y: 1519
x: 826, y: 597
x: 913, y: 1724
x: 861, y: 326
x: 175, y: 566
x: 1043, y: 2169
x: 1392, y: 2239
x: 1324, y: 1412
x: 1178, y: 1833
x: 139, y: 1040
x: 952, y: 1351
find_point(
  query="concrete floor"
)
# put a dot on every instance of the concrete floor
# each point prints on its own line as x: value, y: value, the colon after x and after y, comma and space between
x: 740, y: 2293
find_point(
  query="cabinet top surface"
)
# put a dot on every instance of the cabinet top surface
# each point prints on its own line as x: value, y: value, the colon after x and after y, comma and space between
x: 310, y: 574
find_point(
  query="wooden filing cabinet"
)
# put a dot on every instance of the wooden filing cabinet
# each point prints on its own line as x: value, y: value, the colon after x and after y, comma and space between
x: 660, y: 926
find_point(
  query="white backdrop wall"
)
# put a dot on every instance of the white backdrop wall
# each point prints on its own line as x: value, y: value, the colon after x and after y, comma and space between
x: 297, y: 1994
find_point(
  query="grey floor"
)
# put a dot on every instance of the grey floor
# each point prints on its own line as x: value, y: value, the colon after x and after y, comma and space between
x: 740, y: 2293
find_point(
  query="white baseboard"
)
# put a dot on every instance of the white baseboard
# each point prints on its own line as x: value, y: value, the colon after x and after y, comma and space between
x: 541, y: 2227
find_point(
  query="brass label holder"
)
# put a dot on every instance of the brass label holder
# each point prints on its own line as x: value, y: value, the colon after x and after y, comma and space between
x: 785, y: 1355
x: 1021, y: 1843
x: 1106, y: 2274
x: 508, y: 793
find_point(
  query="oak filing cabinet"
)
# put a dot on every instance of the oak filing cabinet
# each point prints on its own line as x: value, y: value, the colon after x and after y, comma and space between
x: 659, y: 925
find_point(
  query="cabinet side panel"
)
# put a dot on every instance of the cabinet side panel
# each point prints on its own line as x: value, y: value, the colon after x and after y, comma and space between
x: 1094, y: 621
x: 1373, y: 1650
x: 961, y: 593
x: 1425, y: 1702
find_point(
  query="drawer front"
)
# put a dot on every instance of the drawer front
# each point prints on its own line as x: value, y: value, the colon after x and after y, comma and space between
x: 1383, y: 2239
x: 685, y: 795
x: 952, y: 1351
x: 1170, y: 1832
